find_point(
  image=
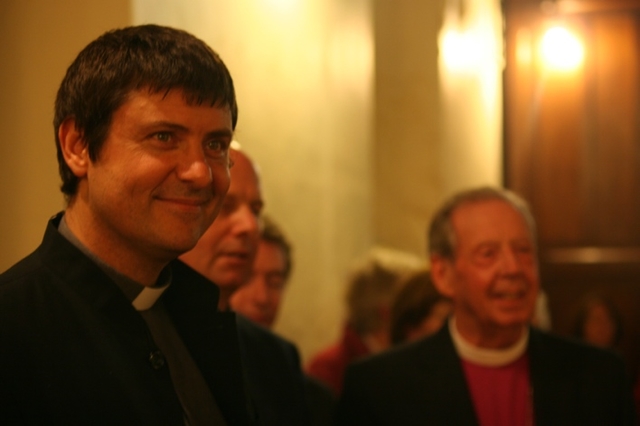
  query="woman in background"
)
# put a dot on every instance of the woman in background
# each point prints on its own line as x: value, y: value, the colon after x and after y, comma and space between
x: 418, y: 310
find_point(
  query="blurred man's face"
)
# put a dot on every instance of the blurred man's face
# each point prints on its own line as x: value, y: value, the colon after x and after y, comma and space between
x: 226, y: 251
x: 493, y: 280
x: 259, y: 299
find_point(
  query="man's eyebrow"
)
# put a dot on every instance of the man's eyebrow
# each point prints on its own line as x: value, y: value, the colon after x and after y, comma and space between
x: 226, y: 133
x: 485, y: 244
x: 165, y: 124
x: 223, y: 132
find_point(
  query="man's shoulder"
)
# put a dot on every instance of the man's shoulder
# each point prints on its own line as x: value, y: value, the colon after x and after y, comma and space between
x: 570, y: 353
x: 190, y: 291
x: 25, y: 269
x: 431, y: 349
x: 255, y: 335
x: 578, y: 383
x: 545, y: 341
x: 272, y: 365
x: 25, y: 290
x: 419, y: 380
x: 35, y: 275
x: 53, y: 256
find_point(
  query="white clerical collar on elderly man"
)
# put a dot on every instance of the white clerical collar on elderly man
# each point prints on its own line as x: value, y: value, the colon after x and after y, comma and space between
x: 487, y: 357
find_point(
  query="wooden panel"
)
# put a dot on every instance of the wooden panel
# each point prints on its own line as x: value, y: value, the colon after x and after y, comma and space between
x: 558, y: 196
x: 568, y: 7
x: 572, y: 149
x: 573, y: 139
x: 614, y: 150
x: 567, y: 284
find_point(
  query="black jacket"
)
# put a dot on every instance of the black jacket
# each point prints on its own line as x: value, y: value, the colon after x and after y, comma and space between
x: 423, y: 383
x: 275, y: 379
x: 74, y: 351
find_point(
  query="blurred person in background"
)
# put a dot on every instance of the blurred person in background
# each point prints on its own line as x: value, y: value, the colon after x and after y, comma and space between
x: 598, y: 322
x: 225, y: 255
x: 260, y: 299
x: 418, y: 309
x: 371, y: 287
x: 487, y: 365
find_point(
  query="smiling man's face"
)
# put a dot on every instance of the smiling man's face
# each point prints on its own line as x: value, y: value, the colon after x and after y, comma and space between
x: 157, y: 184
x: 226, y: 251
x: 493, y: 280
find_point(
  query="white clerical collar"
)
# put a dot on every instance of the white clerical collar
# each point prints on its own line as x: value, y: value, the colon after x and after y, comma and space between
x: 148, y: 297
x: 487, y: 357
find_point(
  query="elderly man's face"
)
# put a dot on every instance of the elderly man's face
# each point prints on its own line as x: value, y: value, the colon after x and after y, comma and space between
x: 226, y: 251
x: 493, y: 279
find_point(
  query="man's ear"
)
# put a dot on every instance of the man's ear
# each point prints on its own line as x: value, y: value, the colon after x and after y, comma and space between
x: 442, y: 275
x: 73, y: 147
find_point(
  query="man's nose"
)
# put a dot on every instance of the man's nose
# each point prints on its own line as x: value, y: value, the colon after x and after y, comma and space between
x: 247, y: 220
x: 260, y: 291
x: 510, y: 261
x: 194, y: 166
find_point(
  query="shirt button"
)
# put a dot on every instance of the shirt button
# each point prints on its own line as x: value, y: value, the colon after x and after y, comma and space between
x: 157, y: 360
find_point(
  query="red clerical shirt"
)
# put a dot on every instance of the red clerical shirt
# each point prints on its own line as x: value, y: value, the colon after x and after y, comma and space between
x: 502, y: 394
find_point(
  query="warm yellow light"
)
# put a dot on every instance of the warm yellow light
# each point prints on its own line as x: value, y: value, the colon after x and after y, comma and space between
x: 461, y: 51
x: 561, y: 50
x: 524, y: 50
x: 285, y: 7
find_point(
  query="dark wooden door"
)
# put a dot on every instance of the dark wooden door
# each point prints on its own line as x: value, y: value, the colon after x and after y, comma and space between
x: 572, y: 149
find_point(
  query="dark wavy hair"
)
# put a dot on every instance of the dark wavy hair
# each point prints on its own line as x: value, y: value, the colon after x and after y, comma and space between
x: 146, y: 57
x: 273, y: 234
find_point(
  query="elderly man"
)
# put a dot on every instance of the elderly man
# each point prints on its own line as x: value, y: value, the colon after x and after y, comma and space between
x: 101, y: 325
x: 487, y: 366
x: 225, y: 255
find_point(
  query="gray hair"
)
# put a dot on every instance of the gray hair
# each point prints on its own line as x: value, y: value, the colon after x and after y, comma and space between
x: 441, y: 236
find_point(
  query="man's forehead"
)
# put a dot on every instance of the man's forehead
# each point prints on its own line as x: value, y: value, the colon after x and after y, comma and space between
x: 269, y: 244
x: 486, y: 218
x: 243, y: 173
x: 484, y: 208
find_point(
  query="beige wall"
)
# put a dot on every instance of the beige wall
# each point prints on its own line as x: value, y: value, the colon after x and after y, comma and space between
x: 437, y: 127
x: 358, y: 128
x: 470, y: 73
x: 408, y: 130
x: 40, y: 38
x: 303, y: 73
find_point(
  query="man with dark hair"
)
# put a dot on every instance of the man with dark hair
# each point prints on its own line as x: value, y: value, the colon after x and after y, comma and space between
x: 487, y: 366
x: 146, y: 58
x: 101, y: 325
x: 259, y: 299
